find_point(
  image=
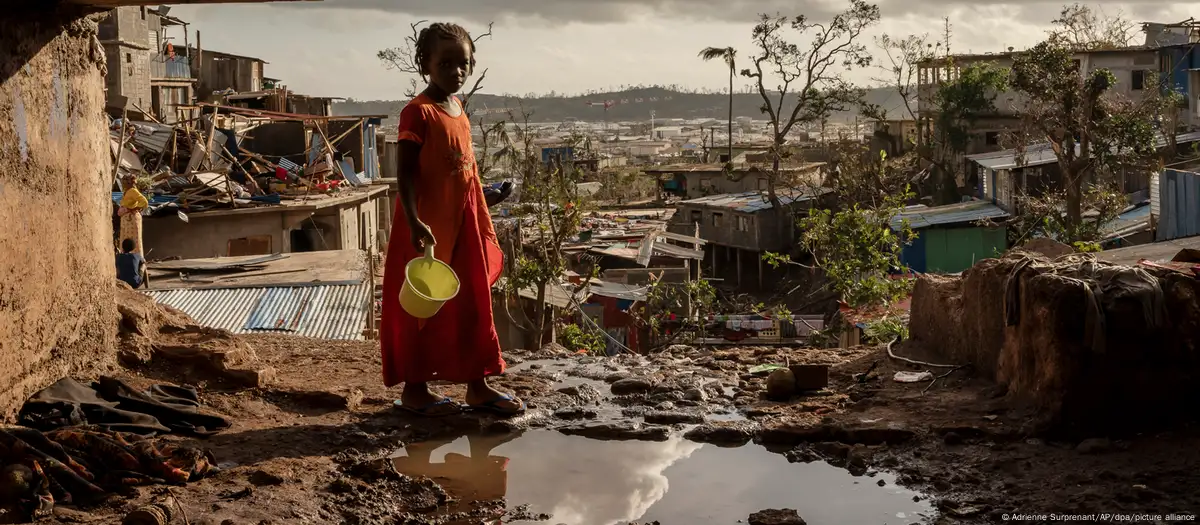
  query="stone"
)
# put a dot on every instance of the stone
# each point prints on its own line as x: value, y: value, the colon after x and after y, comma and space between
x: 952, y: 438
x: 810, y: 377
x: 619, y: 431
x: 1094, y: 446
x: 776, y: 517
x: 781, y: 385
x: 584, y: 391
x: 719, y: 435
x: 571, y: 413
x: 251, y: 378
x: 263, y: 478
x: 859, y: 457
x: 695, y: 394
x: 630, y: 386
x: 673, y: 418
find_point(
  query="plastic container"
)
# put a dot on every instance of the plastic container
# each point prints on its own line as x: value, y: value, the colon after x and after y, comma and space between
x: 428, y: 284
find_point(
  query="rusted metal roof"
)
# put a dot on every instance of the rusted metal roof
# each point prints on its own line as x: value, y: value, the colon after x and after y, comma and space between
x: 322, y: 312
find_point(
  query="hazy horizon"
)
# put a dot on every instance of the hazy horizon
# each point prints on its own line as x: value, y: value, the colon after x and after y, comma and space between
x: 576, y: 46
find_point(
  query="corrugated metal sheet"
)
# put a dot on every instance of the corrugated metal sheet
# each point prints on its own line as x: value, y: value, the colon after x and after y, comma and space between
x: 280, y: 309
x: 1179, y: 202
x: 152, y: 137
x: 750, y: 201
x: 1041, y: 154
x: 1155, y: 199
x: 966, y: 212
x: 323, y: 312
x: 1130, y: 222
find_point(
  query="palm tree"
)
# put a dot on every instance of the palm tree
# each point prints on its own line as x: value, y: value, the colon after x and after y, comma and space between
x: 729, y: 55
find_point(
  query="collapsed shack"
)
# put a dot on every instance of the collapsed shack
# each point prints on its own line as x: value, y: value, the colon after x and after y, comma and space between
x: 1087, y: 342
x: 231, y: 157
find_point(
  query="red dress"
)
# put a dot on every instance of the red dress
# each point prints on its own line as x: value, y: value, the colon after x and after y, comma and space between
x: 459, y: 344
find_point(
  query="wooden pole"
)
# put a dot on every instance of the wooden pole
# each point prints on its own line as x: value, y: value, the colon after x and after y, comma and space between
x: 371, y: 268
x: 120, y: 145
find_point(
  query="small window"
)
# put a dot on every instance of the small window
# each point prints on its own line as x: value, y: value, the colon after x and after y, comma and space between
x: 992, y: 138
x: 743, y: 223
x: 1139, y: 80
x: 697, y: 216
x: 718, y: 219
x: 128, y: 58
x: 762, y: 184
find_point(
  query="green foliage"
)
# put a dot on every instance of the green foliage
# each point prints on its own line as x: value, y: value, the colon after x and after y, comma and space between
x: 1046, y: 215
x: 690, y: 300
x: 961, y: 101
x: 1094, y: 134
x: 856, y: 245
x: 886, y: 329
x: 575, y: 338
x: 956, y: 102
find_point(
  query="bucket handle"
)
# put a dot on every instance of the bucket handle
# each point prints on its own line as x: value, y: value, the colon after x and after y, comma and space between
x: 429, y: 251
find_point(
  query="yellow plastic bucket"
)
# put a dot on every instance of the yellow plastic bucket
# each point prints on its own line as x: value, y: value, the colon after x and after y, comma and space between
x: 428, y: 284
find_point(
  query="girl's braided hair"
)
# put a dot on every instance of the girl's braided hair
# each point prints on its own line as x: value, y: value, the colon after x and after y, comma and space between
x: 429, y: 36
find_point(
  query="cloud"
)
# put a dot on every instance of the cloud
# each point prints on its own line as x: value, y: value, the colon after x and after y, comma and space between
x: 618, y: 11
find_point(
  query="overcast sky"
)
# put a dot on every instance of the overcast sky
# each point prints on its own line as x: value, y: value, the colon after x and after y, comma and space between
x: 568, y: 46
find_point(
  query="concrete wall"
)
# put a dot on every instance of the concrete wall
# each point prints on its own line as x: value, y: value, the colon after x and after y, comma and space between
x: 57, y: 312
x: 728, y: 227
x: 209, y: 236
x: 350, y: 227
x: 125, y: 34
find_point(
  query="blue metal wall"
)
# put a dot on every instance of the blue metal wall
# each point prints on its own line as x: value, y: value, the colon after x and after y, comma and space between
x: 913, y: 255
x: 1179, y: 205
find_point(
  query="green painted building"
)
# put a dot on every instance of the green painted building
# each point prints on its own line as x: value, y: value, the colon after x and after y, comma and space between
x: 950, y: 238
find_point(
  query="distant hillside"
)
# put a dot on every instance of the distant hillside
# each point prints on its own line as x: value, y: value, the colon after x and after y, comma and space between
x: 667, y: 104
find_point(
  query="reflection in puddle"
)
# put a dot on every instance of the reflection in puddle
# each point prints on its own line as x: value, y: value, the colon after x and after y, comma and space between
x: 586, y: 482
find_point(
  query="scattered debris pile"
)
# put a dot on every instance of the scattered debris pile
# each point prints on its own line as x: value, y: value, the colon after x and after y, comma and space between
x: 83, y: 465
x: 209, y: 162
x: 1084, y: 340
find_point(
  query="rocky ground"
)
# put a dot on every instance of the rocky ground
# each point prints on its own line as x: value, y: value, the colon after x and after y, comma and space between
x: 310, y: 440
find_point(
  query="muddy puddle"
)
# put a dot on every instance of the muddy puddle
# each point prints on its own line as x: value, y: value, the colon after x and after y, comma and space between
x: 579, y: 481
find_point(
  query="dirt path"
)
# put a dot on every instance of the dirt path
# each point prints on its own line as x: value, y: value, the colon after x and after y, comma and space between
x: 308, y: 447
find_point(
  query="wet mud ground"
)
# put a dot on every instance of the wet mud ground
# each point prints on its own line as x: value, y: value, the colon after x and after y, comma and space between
x: 681, y: 437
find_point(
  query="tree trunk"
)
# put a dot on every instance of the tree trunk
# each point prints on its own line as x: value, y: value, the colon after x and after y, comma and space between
x: 730, y: 113
x: 539, y: 315
x: 1074, y: 202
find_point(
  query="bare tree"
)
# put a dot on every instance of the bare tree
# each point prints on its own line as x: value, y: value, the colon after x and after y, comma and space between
x: 954, y: 105
x: 1079, y: 28
x: 810, y: 76
x: 404, y: 60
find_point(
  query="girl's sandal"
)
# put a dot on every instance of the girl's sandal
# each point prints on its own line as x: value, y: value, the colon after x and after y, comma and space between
x: 494, y: 407
x: 434, y: 409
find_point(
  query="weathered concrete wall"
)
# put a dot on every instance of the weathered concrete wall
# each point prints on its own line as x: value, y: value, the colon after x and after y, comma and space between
x: 57, y: 312
x: 125, y: 34
x: 206, y: 236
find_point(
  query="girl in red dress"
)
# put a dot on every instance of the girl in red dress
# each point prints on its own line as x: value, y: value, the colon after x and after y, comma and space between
x: 442, y: 200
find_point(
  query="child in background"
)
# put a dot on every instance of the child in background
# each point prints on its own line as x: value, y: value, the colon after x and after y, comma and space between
x: 131, y: 267
x: 442, y: 201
